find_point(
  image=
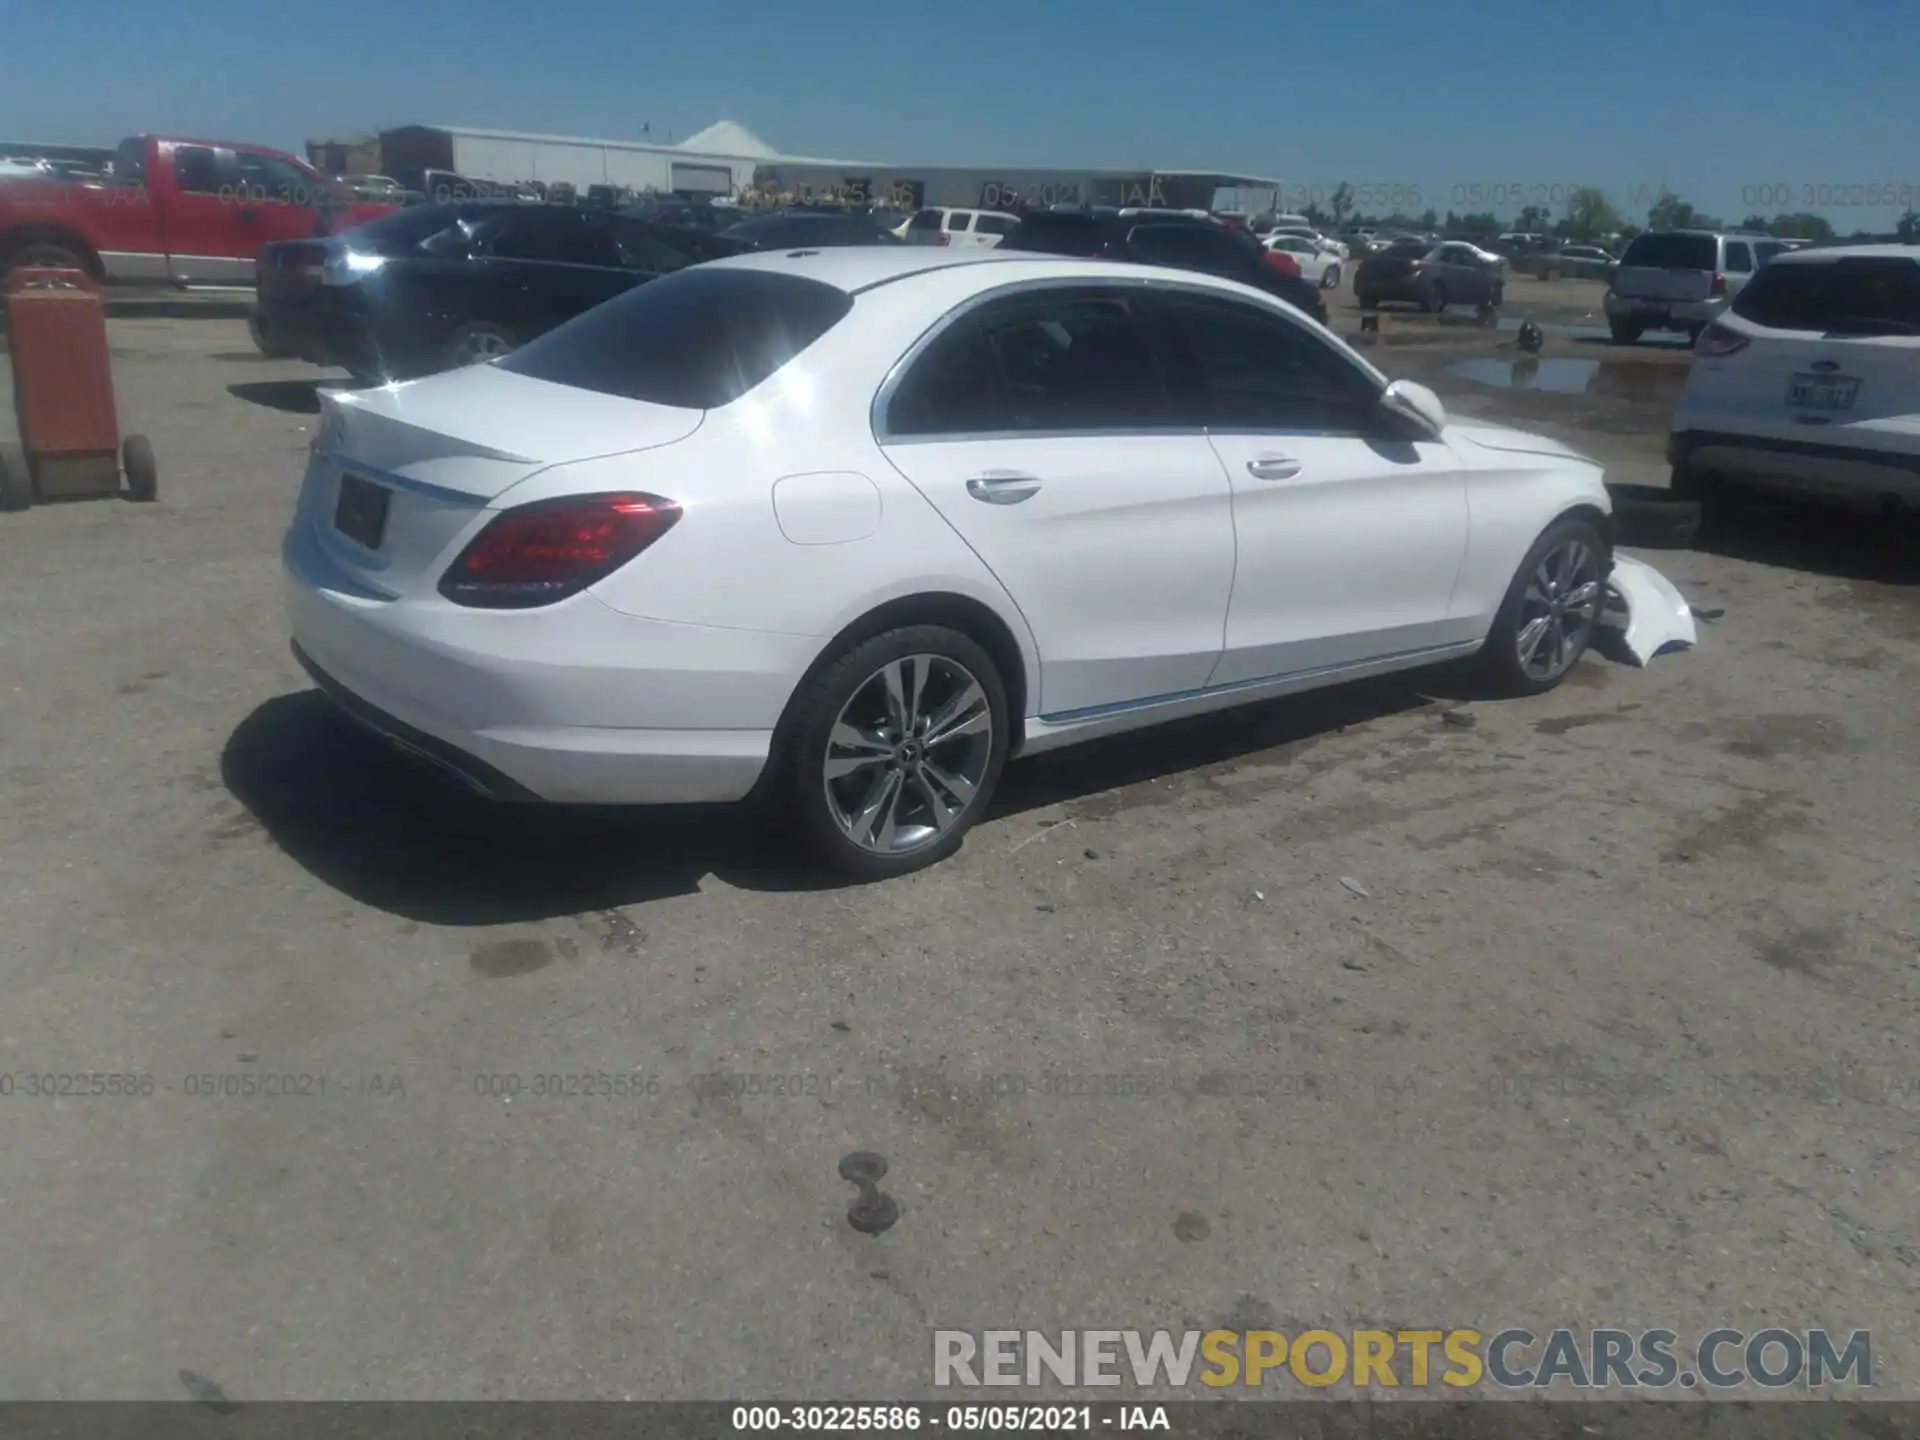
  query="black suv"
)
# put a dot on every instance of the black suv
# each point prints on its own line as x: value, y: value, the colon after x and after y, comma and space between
x: 1181, y: 242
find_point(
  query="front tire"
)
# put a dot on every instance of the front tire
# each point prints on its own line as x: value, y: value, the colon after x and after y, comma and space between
x: 1624, y: 332
x: 1433, y: 299
x: 1551, y: 611
x: 1330, y: 278
x: 894, y: 749
x: 142, y: 470
x: 476, y: 343
x: 16, y: 480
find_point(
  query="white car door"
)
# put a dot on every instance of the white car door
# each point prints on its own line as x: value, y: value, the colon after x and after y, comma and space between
x: 1040, y: 426
x: 1350, y: 536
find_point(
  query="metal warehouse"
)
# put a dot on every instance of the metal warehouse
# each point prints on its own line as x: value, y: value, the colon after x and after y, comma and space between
x: 720, y: 160
x: 729, y: 159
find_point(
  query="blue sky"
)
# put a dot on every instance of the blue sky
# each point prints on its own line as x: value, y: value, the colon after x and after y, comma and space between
x: 1729, y: 102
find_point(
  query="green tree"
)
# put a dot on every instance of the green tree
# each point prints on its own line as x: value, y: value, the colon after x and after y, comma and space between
x: 1756, y: 222
x: 1482, y: 222
x: 1533, y: 219
x: 1590, y: 214
x: 1341, y: 202
x: 1430, y: 220
x: 1670, y: 212
x: 1908, y: 227
x: 1801, y: 227
x: 1315, y: 216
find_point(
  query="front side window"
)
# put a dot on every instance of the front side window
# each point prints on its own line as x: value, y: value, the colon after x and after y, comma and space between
x: 1249, y: 370
x: 266, y: 178
x: 557, y: 237
x: 959, y: 220
x: 925, y: 220
x: 1049, y: 361
x: 196, y: 169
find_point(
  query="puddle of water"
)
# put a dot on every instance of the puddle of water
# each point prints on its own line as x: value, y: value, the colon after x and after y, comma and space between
x: 1654, y: 339
x: 1621, y: 380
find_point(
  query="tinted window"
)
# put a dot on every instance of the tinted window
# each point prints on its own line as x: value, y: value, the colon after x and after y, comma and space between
x: 1073, y: 362
x: 1056, y: 235
x: 1671, y: 251
x: 697, y: 339
x: 925, y: 220
x: 406, y: 230
x: 1189, y: 246
x: 130, y: 161
x: 1052, y: 361
x: 554, y: 236
x: 993, y: 224
x: 1867, y: 296
x: 1255, y: 371
x: 798, y: 232
x: 196, y: 169
x: 269, y: 178
x: 1739, y: 257
x: 959, y: 220
x: 1766, y: 250
x: 641, y: 247
x: 952, y: 388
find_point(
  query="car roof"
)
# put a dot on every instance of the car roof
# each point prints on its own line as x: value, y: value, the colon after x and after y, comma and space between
x: 855, y: 268
x: 1831, y: 253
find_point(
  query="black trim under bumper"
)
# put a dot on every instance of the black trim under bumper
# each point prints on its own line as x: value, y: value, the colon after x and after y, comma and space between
x: 1681, y: 445
x: 474, y: 774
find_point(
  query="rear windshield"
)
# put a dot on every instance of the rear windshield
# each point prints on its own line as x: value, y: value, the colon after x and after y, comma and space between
x: 697, y: 339
x: 1868, y: 296
x: 1673, y: 252
x: 1056, y: 235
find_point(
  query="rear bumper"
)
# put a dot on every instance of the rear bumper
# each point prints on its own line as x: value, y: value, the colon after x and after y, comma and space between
x: 577, y: 703
x: 318, y: 331
x: 1664, y: 314
x: 1840, y: 472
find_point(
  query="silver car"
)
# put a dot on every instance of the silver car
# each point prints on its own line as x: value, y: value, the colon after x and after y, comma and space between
x: 1682, y: 280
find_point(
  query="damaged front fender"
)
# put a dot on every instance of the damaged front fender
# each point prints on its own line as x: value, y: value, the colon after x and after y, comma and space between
x: 1647, y: 612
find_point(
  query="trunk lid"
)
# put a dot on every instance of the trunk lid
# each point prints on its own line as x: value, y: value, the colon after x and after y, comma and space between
x: 421, y: 463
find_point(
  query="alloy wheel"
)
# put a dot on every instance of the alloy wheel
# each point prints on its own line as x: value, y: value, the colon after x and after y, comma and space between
x: 476, y: 347
x: 908, y: 753
x: 1558, y: 610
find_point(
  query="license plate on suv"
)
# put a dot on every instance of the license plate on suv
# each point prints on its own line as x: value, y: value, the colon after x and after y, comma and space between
x: 1822, y: 392
x: 360, y: 514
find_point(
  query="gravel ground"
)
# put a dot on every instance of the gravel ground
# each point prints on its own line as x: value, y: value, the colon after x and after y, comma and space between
x: 1597, y: 1010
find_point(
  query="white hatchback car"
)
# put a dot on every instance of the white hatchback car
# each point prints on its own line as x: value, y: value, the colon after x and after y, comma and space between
x: 1811, y: 380
x: 851, y: 527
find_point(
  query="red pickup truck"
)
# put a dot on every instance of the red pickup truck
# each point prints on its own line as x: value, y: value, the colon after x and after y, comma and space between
x: 174, y: 212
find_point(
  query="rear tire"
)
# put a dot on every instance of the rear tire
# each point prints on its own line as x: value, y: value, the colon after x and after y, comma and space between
x: 1549, y: 604
x: 1433, y: 299
x: 1330, y: 278
x: 476, y: 343
x: 42, y: 255
x: 16, y: 481
x: 263, y: 340
x: 857, y: 764
x: 1624, y: 332
x: 143, y: 472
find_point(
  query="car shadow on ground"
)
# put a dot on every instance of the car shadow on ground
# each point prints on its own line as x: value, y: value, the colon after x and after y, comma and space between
x: 1817, y: 539
x: 394, y: 834
x: 299, y: 397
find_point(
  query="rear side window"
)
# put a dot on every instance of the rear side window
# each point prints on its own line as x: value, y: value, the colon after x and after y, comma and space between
x: 993, y: 224
x: 1739, y: 257
x: 959, y: 220
x: 556, y: 236
x: 697, y: 339
x: 1868, y: 296
x: 1192, y: 246
x: 925, y: 220
x: 1053, y: 361
x: 1669, y: 251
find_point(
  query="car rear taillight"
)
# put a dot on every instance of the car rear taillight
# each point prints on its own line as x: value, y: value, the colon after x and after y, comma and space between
x: 1717, y: 340
x: 1283, y: 262
x: 1719, y: 285
x: 537, y: 554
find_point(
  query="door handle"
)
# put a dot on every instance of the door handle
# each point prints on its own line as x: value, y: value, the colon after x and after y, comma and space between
x: 1273, y: 467
x: 1003, y: 487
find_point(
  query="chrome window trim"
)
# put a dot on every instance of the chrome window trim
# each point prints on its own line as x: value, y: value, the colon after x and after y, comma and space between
x: 1147, y: 285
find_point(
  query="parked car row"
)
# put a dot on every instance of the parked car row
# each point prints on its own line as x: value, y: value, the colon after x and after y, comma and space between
x: 1417, y: 272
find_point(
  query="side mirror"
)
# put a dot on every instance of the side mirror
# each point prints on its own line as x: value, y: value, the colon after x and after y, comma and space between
x: 1417, y: 405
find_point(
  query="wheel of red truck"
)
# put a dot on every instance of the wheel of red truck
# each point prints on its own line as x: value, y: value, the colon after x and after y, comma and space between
x: 142, y: 471
x: 16, y: 481
x: 42, y: 255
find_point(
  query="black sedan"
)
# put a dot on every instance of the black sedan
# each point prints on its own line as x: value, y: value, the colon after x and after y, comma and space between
x: 1430, y: 276
x: 438, y: 286
x: 1179, y: 241
x: 808, y: 230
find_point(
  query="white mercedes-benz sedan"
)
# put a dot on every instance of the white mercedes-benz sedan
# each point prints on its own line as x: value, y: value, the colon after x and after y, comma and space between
x: 848, y: 529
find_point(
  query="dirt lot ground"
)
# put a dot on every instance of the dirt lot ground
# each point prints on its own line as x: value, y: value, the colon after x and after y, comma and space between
x: 1597, y: 1011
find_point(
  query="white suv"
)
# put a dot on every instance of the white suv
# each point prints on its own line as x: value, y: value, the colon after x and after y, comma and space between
x: 938, y: 225
x: 1811, y: 381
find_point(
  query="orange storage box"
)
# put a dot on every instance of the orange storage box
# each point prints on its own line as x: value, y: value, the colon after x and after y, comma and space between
x: 63, y: 389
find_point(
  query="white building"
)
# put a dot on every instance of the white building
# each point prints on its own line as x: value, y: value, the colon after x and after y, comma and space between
x: 720, y: 160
